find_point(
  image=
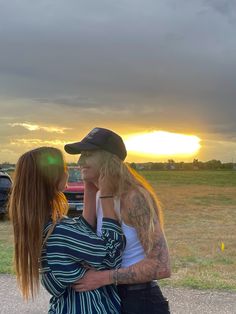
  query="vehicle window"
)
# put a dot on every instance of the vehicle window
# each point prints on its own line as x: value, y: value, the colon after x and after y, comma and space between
x: 74, y: 175
x: 5, y: 182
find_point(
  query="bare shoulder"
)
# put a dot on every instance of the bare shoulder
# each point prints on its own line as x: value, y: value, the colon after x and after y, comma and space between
x: 139, y: 212
x: 135, y: 205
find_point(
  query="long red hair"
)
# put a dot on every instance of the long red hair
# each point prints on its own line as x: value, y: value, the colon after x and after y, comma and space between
x: 35, y: 198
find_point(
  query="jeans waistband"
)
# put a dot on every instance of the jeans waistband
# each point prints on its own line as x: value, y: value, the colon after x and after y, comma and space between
x: 139, y: 286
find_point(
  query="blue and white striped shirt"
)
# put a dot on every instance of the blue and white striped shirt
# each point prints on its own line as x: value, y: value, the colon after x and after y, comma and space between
x: 73, y: 244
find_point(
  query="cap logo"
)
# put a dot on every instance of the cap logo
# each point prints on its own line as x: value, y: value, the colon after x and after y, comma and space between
x: 91, y: 134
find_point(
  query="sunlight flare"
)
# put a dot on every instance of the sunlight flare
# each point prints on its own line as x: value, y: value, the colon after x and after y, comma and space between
x: 162, y: 143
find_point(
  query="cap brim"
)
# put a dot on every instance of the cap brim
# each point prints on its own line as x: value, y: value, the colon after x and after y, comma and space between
x: 77, y: 148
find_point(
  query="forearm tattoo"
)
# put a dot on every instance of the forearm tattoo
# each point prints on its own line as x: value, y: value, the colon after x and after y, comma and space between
x: 125, y: 275
x: 156, y: 265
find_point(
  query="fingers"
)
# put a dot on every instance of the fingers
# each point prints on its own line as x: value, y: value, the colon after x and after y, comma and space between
x: 104, y: 185
x: 78, y: 287
x: 78, y: 283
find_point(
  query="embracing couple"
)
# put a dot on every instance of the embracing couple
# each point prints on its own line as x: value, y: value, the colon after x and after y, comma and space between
x: 109, y: 259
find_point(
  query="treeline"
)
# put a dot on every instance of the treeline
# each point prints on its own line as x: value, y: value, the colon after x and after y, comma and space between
x: 169, y: 165
x: 194, y: 165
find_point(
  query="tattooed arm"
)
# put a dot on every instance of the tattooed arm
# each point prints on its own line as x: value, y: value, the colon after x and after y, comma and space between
x: 156, y: 264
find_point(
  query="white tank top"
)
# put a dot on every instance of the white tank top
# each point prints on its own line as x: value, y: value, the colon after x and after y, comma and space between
x: 134, y: 251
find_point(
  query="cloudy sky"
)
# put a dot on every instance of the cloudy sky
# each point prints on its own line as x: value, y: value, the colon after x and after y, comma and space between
x: 67, y: 66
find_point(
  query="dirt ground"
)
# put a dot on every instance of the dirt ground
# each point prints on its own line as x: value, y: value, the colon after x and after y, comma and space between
x: 182, y: 301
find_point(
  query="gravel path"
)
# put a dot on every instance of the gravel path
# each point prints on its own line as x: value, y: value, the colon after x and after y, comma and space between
x: 182, y: 301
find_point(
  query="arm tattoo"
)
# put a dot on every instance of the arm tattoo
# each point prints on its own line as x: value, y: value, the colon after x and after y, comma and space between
x: 160, y: 254
x: 139, y: 207
x: 156, y: 265
x: 128, y: 276
x: 139, y: 217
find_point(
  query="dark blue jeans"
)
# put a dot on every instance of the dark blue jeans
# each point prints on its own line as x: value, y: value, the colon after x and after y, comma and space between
x: 144, y: 301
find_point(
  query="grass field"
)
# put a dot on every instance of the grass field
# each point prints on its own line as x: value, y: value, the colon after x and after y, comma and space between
x: 200, y: 214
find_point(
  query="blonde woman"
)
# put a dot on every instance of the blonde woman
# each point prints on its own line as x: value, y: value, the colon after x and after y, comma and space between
x: 63, y: 248
x: 145, y: 258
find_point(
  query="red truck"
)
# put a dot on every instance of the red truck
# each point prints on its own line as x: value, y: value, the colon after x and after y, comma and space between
x: 74, y: 192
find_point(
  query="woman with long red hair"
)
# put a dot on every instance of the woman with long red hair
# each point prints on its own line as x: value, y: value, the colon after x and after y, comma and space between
x: 57, y: 248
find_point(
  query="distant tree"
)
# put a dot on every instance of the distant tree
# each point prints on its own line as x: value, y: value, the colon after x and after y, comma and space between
x: 6, y: 164
x: 213, y: 164
x: 195, y: 164
x: 227, y: 166
x: 170, y: 164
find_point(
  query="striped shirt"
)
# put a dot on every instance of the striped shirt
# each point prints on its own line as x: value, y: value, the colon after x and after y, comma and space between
x: 72, y: 245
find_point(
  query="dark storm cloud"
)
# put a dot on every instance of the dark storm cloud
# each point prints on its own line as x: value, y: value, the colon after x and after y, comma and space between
x: 224, y: 7
x: 152, y: 63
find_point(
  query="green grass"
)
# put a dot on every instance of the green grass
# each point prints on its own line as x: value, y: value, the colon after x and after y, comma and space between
x: 6, y: 258
x: 200, y: 213
x: 6, y: 248
x: 206, y: 177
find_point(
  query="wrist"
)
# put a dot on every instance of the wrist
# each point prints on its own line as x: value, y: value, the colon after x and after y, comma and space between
x: 110, y: 277
x: 108, y: 208
x: 114, y: 276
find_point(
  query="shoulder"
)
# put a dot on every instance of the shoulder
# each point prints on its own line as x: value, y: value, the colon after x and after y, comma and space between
x: 135, y: 206
x: 67, y: 223
x: 136, y: 199
x: 71, y: 227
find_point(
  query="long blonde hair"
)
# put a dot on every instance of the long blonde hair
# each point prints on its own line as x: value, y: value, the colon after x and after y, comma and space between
x: 35, y: 198
x: 122, y: 179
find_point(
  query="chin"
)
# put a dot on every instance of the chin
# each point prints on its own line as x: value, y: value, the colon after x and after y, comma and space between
x: 87, y: 178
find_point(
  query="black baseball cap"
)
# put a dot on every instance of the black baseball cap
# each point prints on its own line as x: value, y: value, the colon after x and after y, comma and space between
x: 99, y: 138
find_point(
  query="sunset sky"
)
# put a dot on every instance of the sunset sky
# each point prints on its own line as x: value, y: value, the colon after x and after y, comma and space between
x: 142, y: 67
